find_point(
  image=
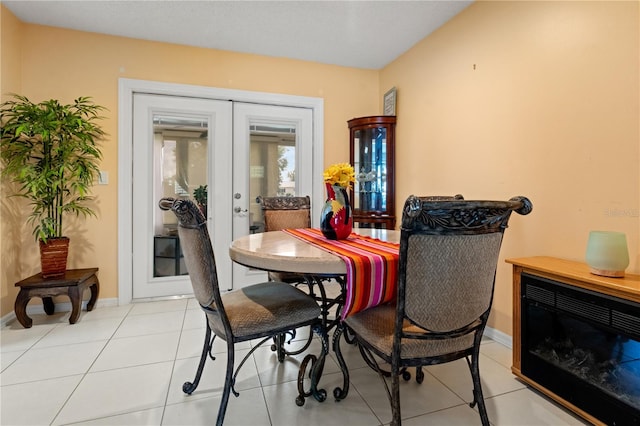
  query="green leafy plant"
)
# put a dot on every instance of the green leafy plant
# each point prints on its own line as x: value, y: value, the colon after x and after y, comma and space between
x: 200, y: 195
x: 50, y: 151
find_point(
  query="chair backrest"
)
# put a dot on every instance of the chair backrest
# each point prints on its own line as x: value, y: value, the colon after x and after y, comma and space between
x: 198, y: 257
x: 285, y: 212
x: 448, y: 258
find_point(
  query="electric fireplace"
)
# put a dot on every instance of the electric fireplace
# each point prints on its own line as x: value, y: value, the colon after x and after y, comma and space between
x: 579, y: 344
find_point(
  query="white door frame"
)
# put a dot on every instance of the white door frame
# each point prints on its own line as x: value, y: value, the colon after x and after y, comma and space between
x: 126, y: 89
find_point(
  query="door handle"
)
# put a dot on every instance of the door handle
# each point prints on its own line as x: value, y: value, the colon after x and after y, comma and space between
x: 239, y: 210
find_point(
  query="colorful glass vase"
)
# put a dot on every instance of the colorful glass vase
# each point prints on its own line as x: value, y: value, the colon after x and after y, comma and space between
x: 336, y: 221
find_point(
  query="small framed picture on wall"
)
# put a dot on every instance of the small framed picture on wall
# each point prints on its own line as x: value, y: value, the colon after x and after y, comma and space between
x: 390, y: 102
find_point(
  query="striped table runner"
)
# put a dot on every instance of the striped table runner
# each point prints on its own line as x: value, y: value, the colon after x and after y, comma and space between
x: 372, y: 267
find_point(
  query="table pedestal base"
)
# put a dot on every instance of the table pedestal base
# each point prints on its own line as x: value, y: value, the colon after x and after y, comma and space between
x: 313, y: 366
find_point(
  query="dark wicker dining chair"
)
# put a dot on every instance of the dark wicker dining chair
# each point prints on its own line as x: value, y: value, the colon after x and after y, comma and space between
x: 285, y: 212
x: 282, y: 213
x: 263, y: 310
x: 448, y: 258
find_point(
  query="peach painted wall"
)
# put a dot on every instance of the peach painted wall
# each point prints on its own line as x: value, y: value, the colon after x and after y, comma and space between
x: 65, y: 64
x: 527, y: 98
x: 11, y: 222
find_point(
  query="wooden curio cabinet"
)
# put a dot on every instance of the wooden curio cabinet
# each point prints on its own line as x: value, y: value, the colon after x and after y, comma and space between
x: 372, y: 155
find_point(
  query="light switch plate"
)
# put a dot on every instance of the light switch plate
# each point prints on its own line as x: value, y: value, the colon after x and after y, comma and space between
x: 103, y: 177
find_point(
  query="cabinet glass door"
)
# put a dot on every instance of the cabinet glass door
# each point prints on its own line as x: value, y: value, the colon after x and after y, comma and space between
x: 372, y: 145
x: 370, y: 164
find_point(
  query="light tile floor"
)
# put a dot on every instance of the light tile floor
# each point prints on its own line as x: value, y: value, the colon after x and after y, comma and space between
x: 126, y: 365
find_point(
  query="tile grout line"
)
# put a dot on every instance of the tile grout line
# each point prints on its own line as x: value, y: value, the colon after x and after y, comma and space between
x: 119, y: 368
x: 29, y: 348
x: 175, y: 359
x: 84, y: 375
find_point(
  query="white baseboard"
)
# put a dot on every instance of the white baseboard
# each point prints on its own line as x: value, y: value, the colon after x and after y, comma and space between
x: 7, y: 319
x: 491, y: 333
x: 36, y: 308
x: 499, y: 337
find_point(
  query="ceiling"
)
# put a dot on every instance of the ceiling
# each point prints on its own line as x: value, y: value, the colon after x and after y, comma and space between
x: 362, y: 34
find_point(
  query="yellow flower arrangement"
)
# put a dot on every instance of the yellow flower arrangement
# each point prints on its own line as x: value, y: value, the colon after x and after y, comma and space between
x: 340, y: 174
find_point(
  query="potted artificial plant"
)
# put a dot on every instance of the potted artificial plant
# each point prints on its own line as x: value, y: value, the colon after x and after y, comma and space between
x: 49, y: 150
x: 200, y: 195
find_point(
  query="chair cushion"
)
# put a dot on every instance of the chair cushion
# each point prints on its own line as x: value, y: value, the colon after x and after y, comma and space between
x: 261, y: 309
x: 376, y: 326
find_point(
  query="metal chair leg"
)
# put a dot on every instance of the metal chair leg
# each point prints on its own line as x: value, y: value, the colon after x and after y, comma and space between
x: 189, y: 387
x: 478, y: 398
x: 228, y: 383
x: 396, y: 419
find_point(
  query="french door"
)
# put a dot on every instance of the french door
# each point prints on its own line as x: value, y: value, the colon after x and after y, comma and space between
x: 228, y: 152
x: 274, y: 141
x: 180, y: 145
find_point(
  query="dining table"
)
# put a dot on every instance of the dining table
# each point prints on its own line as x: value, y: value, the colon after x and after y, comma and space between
x: 284, y: 251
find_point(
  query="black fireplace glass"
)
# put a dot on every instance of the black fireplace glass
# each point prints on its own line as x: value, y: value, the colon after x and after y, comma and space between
x: 583, y: 346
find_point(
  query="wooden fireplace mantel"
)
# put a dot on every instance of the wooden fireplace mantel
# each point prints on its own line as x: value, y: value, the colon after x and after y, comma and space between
x: 572, y: 273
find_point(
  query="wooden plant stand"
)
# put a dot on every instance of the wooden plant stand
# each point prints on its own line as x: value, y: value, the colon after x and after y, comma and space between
x: 72, y: 284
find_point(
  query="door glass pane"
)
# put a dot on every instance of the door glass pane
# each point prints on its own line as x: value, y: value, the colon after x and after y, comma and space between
x: 272, y: 167
x: 180, y: 171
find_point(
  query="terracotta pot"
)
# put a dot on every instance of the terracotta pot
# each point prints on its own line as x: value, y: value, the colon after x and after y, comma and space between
x: 53, y: 257
x: 336, y: 221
